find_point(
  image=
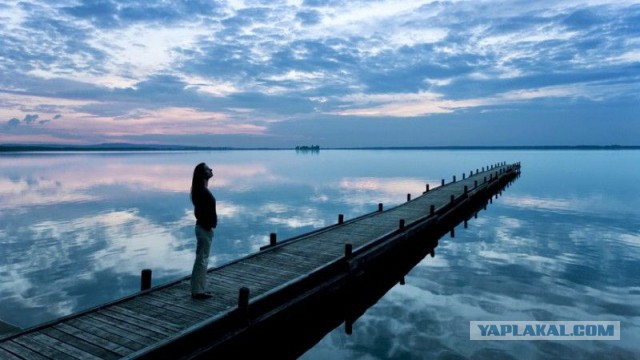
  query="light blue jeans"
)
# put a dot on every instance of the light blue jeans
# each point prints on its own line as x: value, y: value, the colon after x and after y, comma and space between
x: 199, y: 273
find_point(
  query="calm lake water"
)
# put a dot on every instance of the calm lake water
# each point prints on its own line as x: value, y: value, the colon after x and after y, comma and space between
x: 562, y: 243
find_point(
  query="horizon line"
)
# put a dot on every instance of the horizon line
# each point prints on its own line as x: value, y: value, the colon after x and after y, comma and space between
x: 172, y: 147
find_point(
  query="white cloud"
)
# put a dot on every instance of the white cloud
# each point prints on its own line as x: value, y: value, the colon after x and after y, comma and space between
x: 373, y: 59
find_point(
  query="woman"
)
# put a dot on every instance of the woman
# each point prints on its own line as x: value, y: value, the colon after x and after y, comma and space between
x: 206, y: 220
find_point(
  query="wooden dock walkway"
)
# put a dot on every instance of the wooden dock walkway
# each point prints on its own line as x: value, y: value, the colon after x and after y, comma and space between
x: 285, y: 281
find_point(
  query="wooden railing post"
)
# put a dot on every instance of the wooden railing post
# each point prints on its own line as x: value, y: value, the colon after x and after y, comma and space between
x: 273, y: 239
x: 243, y: 303
x: 348, y: 250
x: 145, y: 280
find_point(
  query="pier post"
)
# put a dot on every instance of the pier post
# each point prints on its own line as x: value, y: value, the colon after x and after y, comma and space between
x: 475, y: 183
x: 454, y: 178
x: 272, y: 239
x: 466, y: 190
x: 243, y: 303
x: 432, y: 210
x: 464, y: 176
x: 466, y: 224
x: 348, y: 250
x: 408, y: 197
x: 433, y: 252
x: 427, y: 188
x: 453, y: 232
x: 442, y: 182
x: 453, y: 198
x: 401, y: 224
x: 380, y: 206
x: 340, y: 218
x: 402, y: 280
x: 145, y: 280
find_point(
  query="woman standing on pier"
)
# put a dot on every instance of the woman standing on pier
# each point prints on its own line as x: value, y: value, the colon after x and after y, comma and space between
x: 204, y: 204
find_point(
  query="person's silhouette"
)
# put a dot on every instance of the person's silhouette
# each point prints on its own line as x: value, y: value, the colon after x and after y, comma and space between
x: 204, y: 204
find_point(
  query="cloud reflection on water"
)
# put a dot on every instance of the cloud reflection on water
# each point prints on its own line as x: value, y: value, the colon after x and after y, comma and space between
x: 75, y: 231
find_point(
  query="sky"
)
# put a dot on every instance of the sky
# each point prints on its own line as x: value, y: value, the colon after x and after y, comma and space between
x: 335, y: 73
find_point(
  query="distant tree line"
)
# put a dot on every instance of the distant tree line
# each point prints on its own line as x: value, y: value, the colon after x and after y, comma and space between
x: 313, y: 148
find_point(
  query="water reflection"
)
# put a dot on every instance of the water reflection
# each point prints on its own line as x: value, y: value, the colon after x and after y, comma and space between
x: 530, y: 256
x: 76, y: 229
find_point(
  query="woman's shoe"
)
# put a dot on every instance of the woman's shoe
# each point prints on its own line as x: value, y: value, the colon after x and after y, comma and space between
x: 201, y: 296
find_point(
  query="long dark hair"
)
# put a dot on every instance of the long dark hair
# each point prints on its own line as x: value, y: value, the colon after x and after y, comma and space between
x: 197, y: 182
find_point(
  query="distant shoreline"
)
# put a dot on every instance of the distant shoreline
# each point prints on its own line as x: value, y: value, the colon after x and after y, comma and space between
x: 138, y: 147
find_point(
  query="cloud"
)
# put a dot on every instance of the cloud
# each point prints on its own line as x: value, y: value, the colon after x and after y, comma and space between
x: 114, y: 13
x: 29, y: 119
x: 13, y: 122
x: 308, y: 17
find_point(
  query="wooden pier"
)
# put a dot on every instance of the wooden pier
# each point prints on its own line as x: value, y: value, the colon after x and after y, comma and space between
x: 279, y: 301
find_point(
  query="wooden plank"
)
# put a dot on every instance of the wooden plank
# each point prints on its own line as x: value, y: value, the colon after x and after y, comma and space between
x: 152, y: 329
x: 302, y: 259
x: 24, y: 352
x: 293, y: 256
x: 206, y: 308
x: 319, y: 258
x: 176, y: 308
x: 93, y: 351
x: 126, y: 330
x: 220, y: 287
x: 330, y: 238
x: 307, y: 252
x: 4, y: 354
x: 64, y: 347
x: 156, y: 321
x: 243, y: 277
x: 260, y: 272
x: 253, y: 286
x: 311, y: 247
x: 93, y: 336
x: 258, y: 286
x: 185, y: 301
x: 160, y: 312
x: 300, y: 266
x: 29, y: 342
x: 232, y: 279
x: 106, y: 331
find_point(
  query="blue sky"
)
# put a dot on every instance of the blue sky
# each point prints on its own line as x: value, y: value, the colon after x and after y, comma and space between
x: 333, y: 73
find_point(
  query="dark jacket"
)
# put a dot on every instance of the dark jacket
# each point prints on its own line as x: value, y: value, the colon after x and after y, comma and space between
x: 204, y: 204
